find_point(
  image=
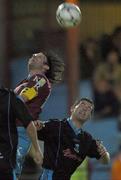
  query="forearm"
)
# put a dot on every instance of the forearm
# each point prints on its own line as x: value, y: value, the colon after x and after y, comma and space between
x: 105, y: 159
x: 105, y: 156
x: 31, y: 130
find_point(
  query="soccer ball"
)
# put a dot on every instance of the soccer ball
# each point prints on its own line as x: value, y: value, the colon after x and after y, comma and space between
x: 68, y: 15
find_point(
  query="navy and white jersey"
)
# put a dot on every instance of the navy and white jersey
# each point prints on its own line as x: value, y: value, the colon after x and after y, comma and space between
x: 11, y: 107
x: 65, y: 150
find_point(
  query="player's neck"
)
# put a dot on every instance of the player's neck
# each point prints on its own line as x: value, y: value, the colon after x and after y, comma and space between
x: 35, y: 72
x: 77, y: 123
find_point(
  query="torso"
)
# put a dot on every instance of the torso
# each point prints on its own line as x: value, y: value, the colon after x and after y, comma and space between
x: 43, y: 86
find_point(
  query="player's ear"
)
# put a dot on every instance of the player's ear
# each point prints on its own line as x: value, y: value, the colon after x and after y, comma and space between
x: 91, y: 114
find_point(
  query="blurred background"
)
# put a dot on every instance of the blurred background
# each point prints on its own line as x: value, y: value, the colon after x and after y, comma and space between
x: 92, y: 54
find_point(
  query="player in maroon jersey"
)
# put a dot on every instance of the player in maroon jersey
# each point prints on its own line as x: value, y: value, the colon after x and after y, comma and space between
x: 44, y: 70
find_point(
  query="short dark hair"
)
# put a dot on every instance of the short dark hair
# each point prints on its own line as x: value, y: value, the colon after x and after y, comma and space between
x: 56, y: 67
x: 84, y: 99
x: 87, y: 99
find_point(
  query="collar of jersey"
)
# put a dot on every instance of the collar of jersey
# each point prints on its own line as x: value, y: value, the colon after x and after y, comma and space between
x: 75, y: 129
x: 30, y: 75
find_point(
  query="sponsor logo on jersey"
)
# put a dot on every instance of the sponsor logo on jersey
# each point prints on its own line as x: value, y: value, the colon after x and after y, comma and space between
x: 39, y: 82
x: 76, y: 148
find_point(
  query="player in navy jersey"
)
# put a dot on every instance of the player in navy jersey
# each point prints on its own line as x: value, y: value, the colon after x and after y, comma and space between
x: 66, y: 144
x: 44, y: 70
x: 11, y: 107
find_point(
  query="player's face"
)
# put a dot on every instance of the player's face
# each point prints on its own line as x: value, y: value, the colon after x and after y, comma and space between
x: 82, y: 111
x: 41, y: 60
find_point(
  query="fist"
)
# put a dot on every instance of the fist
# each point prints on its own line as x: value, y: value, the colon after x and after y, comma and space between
x: 101, y: 149
x: 39, y: 125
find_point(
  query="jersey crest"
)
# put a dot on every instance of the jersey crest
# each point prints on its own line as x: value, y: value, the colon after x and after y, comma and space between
x: 39, y: 82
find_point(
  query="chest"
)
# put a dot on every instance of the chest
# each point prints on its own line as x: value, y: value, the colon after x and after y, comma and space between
x: 72, y: 144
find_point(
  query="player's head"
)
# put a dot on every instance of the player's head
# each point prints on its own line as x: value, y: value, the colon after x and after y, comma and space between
x: 39, y: 63
x: 82, y: 109
x: 48, y: 63
x: 56, y: 67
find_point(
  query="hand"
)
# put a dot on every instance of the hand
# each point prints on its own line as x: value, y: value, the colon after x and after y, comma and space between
x: 38, y: 157
x: 105, y: 156
x: 101, y: 149
x: 39, y: 125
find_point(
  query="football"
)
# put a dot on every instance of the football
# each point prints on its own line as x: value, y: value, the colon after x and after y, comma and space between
x: 68, y: 15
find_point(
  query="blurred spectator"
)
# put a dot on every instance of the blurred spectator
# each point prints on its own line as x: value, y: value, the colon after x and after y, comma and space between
x: 116, y: 39
x: 105, y: 101
x: 116, y: 167
x: 109, y: 41
x: 111, y: 68
x: 117, y: 90
x: 105, y: 43
x: 89, y: 58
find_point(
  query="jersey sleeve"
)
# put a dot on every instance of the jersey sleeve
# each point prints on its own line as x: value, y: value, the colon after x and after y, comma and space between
x: 93, y: 149
x: 21, y: 111
x: 34, y: 84
x: 49, y: 130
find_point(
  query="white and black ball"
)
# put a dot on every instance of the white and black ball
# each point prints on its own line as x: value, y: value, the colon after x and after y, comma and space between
x: 68, y: 15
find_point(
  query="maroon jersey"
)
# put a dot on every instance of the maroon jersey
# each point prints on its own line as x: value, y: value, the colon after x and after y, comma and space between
x: 43, y: 88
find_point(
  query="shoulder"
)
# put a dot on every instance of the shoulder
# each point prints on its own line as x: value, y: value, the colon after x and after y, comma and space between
x: 52, y: 121
x: 7, y: 91
x: 87, y: 135
x: 51, y: 125
x: 10, y: 94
